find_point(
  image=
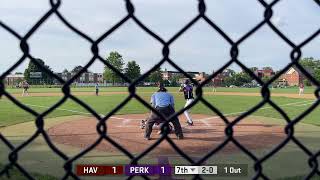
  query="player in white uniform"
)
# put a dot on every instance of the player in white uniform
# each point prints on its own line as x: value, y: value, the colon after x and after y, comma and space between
x: 187, y: 90
x: 25, y: 87
x: 301, y: 89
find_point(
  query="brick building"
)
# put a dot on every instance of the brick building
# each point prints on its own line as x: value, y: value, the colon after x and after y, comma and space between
x: 264, y: 73
x: 167, y: 75
x: 294, y: 77
x: 218, y: 80
x: 13, y: 79
x: 88, y: 77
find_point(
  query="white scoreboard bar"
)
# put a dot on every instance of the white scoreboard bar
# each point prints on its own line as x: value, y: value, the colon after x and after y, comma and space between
x: 186, y: 169
x: 195, y: 170
x: 208, y: 169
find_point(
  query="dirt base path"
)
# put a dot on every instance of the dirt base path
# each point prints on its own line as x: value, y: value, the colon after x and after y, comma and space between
x: 207, y: 133
x: 305, y: 96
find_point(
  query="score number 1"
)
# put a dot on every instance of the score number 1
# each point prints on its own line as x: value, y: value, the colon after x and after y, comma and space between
x: 113, y: 170
x: 164, y: 170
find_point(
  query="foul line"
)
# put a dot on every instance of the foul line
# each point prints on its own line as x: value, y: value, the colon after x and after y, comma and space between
x: 203, y: 120
x: 234, y: 113
x: 75, y: 111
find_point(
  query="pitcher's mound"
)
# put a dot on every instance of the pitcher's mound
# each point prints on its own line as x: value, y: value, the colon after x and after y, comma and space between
x: 206, y: 134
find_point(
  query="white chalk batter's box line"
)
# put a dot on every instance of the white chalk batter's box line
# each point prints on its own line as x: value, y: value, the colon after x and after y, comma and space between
x: 203, y: 120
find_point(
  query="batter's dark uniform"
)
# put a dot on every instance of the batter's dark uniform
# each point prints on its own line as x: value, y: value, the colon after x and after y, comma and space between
x: 97, y: 89
x: 164, y: 103
x: 188, y: 96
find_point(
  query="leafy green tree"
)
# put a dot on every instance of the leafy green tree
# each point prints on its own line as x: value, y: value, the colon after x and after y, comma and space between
x: 77, y: 69
x: 310, y: 62
x: 132, y: 70
x: 228, y: 81
x: 229, y: 72
x: 306, y: 82
x: 32, y: 67
x: 175, y: 80
x: 241, y: 78
x: 266, y: 78
x: 253, y: 69
x: 267, y: 68
x: 317, y: 74
x: 166, y: 83
x: 155, y: 76
x: 115, y: 59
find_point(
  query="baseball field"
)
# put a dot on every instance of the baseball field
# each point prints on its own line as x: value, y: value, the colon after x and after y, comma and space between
x: 71, y: 128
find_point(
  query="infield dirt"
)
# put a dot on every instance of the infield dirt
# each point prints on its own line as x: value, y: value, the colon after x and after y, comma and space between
x: 207, y: 133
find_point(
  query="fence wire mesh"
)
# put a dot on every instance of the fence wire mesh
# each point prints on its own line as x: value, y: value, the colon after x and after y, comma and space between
x: 295, y: 55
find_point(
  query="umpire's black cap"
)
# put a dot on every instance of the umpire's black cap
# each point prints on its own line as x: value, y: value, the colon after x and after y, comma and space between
x: 161, y: 87
x: 187, y: 81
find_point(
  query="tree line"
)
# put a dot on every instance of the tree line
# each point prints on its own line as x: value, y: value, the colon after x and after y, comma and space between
x: 312, y: 66
x: 242, y: 78
x: 132, y: 70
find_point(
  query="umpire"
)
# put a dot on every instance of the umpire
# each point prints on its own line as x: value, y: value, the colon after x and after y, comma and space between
x: 164, y: 103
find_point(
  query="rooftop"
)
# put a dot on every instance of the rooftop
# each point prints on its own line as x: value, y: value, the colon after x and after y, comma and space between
x: 15, y: 76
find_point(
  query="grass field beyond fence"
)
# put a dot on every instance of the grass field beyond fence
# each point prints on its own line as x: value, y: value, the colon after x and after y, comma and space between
x: 230, y: 105
x: 11, y: 114
x: 290, y: 90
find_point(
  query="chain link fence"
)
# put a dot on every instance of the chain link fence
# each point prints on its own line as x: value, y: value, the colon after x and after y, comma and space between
x: 295, y: 55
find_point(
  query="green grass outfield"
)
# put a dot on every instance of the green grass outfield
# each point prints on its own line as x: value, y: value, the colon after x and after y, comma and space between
x: 17, y: 175
x: 11, y: 114
x: 290, y: 90
x: 39, y: 153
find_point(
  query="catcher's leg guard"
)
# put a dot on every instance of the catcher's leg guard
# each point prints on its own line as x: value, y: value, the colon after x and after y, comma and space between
x: 143, y: 124
x: 171, y: 130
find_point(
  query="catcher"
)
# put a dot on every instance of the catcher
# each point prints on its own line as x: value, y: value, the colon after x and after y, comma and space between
x: 164, y: 103
x: 157, y: 125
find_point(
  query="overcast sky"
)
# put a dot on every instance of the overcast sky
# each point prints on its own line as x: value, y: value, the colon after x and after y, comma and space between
x: 200, y: 49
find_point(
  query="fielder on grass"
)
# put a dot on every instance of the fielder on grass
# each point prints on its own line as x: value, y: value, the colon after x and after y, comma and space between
x: 25, y: 87
x: 97, y: 89
x: 301, y: 89
x: 187, y: 90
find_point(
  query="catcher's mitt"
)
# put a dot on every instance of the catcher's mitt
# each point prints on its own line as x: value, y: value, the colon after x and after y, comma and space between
x: 143, y: 124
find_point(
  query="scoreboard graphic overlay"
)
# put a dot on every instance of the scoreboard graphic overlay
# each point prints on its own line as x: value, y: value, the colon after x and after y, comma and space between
x: 161, y: 170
